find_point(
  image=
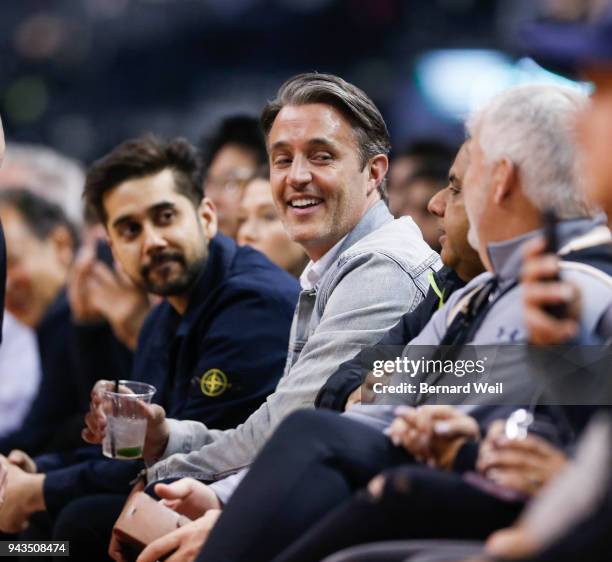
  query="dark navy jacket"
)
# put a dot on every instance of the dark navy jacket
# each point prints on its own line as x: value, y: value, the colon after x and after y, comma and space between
x: 216, y: 364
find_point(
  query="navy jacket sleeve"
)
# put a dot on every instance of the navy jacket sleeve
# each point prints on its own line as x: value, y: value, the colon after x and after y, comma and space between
x: 52, y: 461
x: 73, y: 358
x: 238, y: 363
x: 98, y: 476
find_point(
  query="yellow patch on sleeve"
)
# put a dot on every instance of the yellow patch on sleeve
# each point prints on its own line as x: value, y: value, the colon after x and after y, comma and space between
x: 214, y: 383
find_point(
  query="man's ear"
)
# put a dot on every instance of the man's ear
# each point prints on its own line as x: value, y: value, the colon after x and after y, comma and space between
x: 63, y: 244
x: 504, y: 179
x: 378, y: 167
x: 208, y: 215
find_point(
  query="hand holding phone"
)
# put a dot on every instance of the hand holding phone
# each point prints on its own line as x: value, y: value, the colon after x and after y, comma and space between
x: 551, y: 236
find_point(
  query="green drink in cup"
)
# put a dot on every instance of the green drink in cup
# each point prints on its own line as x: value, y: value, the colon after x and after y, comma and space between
x: 126, y: 422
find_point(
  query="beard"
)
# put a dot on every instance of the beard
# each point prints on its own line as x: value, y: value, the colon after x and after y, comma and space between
x: 168, y: 273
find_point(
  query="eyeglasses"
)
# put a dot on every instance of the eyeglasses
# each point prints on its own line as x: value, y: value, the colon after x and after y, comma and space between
x: 230, y: 183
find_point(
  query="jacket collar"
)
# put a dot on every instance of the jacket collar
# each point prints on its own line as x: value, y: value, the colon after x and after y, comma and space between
x: 506, y: 257
x: 221, y: 253
x: 374, y: 218
x: 168, y: 322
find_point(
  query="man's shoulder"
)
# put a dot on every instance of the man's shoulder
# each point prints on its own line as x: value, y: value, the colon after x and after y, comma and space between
x: 253, y: 272
x: 399, y: 240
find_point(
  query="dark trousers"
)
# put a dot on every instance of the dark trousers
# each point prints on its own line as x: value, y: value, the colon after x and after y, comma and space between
x: 87, y: 523
x: 417, y: 502
x: 315, y: 461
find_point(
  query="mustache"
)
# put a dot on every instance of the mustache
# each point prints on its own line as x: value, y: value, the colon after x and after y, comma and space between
x: 160, y: 259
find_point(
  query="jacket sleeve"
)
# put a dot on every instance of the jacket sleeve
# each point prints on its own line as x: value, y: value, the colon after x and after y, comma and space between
x: 238, y: 360
x: 349, y: 376
x: 368, y: 295
x: 53, y: 461
x: 335, y: 392
x: 101, y: 475
x: 99, y: 353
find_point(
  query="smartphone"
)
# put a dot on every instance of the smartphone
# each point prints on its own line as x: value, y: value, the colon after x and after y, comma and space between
x: 549, y: 220
x: 104, y: 254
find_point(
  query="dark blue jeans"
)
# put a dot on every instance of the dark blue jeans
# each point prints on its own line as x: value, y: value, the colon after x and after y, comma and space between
x: 87, y: 523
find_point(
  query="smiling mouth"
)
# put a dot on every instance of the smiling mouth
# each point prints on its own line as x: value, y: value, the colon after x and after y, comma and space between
x: 304, y: 203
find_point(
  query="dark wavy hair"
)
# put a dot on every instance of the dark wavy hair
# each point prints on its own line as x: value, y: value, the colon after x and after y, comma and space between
x: 141, y: 157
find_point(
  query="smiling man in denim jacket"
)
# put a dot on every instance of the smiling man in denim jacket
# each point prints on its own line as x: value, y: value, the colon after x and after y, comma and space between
x: 328, y: 147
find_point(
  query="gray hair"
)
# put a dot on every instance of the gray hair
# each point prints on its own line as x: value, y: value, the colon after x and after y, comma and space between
x: 46, y: 172
x: 533, y: 126
x: 370, y: 130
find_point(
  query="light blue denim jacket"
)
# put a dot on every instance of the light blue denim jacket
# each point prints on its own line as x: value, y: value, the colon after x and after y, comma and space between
x: 380, y: 273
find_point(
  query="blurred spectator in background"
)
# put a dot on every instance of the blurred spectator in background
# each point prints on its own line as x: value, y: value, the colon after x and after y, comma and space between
x: 591, y: 54
x: 230, y: 156
x: 47, y: 173
x: 417, y: 172
x: 60, y: 179
x: 411, y: 199
x: 18, y: 379
x: 259, y: 225
x: 19, y: 373
x: 41, y: 242
x: 2, y: 245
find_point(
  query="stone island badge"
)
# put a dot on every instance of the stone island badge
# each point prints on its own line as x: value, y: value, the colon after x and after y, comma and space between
x: 213, y: 383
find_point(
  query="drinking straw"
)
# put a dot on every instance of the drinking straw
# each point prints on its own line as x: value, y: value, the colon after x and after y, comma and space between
x: 115, y: 414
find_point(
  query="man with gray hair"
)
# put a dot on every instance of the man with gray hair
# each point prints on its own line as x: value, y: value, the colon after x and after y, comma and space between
x: 521, y: 151
x: 517, y: 125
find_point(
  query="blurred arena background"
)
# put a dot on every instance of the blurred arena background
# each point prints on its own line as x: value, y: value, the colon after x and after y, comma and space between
x: 82, y: 75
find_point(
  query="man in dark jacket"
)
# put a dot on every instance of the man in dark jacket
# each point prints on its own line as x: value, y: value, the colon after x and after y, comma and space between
x: 40, y: 246
x: 214, y: 349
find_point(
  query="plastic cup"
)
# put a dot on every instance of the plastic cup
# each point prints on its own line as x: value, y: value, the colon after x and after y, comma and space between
x: 126, y: 425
